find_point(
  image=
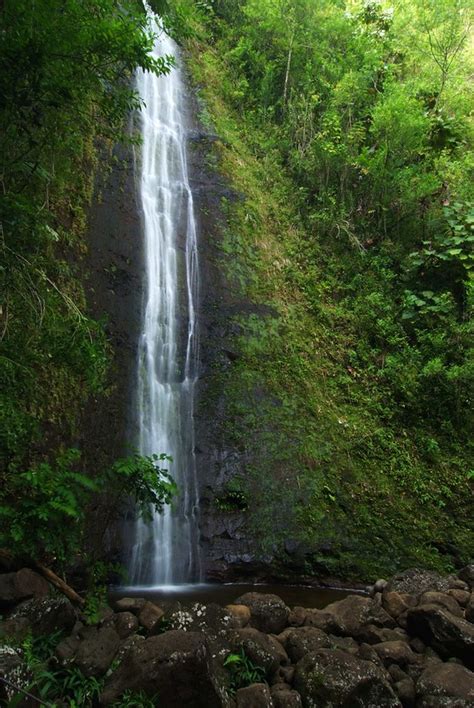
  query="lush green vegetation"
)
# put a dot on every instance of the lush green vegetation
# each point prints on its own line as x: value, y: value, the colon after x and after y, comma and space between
x: 347, y: 128
x: 243, y: 672
x: 57, y: 685
x: 37, y: 505
x: 65, y: 91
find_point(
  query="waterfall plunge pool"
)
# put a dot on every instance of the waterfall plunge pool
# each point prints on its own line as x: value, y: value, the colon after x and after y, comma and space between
x: 292, y: 595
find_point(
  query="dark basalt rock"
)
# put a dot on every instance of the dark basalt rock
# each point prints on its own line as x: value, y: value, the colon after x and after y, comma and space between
x: 13, y: 668
x: 255, y: 696
x: 173, y: 666
x: 129, y: 604
x: 16, y: 628
x: 96, y: 653
x: 22, y: 585
x: 303, y: 640
x: 125, y: 624
x: 443, y: 600
x: 448, y: 635
x: 263, y: 650
x: 211, y: 619
x: 334, y: 679
x: 467, y: 575
x: 396, y: 652
x: 416, y: 581
x: 469, y: 611
x: 405, y: 690
x: 150, y: 616
x: 47, y: 615
x: 286, y: 698
x: 241, y: 614
x: 445, y: 685
x: 268, y: 613
x: 351, y: 616
x: 396, y: 603
x: 67, y: 648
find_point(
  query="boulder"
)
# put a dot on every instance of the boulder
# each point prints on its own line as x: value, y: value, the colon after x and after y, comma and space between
x: 395, y: 603
x: 443, y: 600
x: 66, y: 649
x: 330, y: 678
x: 405, y: 690
x: 349, y: 616
x: 263, y: 650
x: 96, y: 653
x: 257, y: 695
x: 22, y: 585
x: 150, y: 616
x: 173, y: 666
x: 345, y: 643
x: 368, y: 653
x: 211, y: 619
x: 317, y: 618
x: 287, y: 674
x: 445, y: 685
x: 461, y: 596
x: 297, y: 617
x: 374, y: 635
x: 469, y: 611
x: 458, y: 584
x: 126, y: 645
x: 13, y: 669
x: 448, y: 635
x: 467, y: 575
x: 268, y: 613
x: 241, y: 614
x: 17, y: 628
x: 104, y: 615
x: 302, y: 640
x: 416, y: 581
x: 47, y: 615
x: 417, y: 645
x: 125, y: 624
x: 396, y: 673
x: 397, y: 652
x: 129, y: 604
x: 286, y: 698
x: 379, y: 586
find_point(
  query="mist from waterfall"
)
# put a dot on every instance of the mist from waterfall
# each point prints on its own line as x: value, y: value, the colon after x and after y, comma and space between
x: 166, y: 551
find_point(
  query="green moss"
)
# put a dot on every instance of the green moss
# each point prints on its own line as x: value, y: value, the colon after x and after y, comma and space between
x: 331, y: 465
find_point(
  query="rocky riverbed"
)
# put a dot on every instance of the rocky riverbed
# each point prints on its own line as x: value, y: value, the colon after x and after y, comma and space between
x: 409, y: 642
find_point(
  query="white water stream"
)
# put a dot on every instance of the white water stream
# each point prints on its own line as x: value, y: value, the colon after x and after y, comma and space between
x: 166, y: 552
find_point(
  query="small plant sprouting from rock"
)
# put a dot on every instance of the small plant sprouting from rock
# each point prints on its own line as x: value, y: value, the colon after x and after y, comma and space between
x: 243, y: 671
x: 232, y: 498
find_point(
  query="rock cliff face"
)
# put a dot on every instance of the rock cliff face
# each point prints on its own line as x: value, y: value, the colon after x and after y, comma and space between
x: 115, y: 289
x: 227, y: 549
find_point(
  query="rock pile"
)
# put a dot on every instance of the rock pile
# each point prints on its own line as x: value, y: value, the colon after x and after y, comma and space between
x: 409, y: 644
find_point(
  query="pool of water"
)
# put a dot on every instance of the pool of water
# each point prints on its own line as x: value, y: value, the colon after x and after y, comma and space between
x: 226, y: 594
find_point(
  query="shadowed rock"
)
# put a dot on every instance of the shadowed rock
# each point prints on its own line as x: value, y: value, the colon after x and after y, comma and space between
x: 22, y: 585
x: 268, y: 613
x: 173, y: 667
x: 334, y: 679
x: 445, y: 685
x: 96, y: 653
x: 448, y: 635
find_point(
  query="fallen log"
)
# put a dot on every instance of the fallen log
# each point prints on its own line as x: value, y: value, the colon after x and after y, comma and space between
x: 50, y: 576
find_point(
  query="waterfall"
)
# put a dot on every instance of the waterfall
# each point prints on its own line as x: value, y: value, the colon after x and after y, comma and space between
x: 166, y: 551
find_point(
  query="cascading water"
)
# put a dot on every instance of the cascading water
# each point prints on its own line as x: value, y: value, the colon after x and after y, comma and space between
x: 166, y: 551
